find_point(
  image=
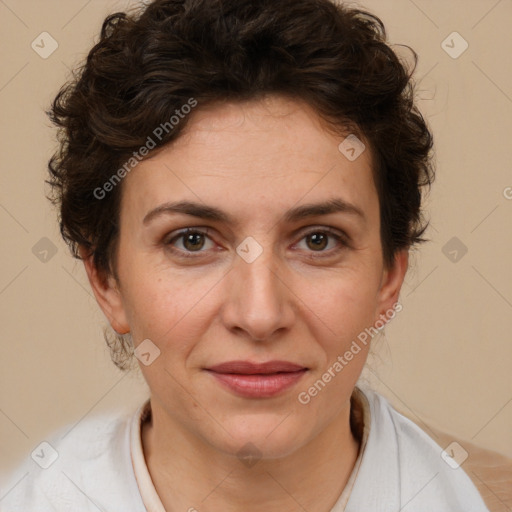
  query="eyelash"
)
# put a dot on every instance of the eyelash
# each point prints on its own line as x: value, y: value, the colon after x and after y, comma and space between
x: 341, y: 239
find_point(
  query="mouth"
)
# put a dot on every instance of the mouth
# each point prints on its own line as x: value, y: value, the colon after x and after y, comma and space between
x: 257, y: 380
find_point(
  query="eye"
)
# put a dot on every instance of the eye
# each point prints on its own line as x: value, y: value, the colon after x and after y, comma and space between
x: 191, y: 240
x: 317, y: 240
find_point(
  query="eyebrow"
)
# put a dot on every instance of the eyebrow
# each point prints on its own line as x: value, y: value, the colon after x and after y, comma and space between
x: 336, y: 205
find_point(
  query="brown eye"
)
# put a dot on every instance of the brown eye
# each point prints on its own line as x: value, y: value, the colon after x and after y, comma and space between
x: 318, y: 241
x: 193, y: 241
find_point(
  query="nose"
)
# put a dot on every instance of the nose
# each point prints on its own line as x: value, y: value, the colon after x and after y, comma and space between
x: 258, y: 301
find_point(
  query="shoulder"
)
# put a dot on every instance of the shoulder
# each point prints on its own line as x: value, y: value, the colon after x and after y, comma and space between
x: 85, y: 466
x: 403, y: 465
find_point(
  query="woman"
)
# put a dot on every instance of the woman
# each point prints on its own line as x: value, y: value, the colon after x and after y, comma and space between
x: 242, y: 181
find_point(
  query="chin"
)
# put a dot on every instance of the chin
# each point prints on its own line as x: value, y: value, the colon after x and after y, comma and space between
x: 267, y: 437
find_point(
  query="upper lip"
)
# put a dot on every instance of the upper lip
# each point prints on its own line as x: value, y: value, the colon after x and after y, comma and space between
x: 249, y: 368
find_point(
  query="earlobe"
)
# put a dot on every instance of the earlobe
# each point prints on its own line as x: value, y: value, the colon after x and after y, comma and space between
x: 107, y: 294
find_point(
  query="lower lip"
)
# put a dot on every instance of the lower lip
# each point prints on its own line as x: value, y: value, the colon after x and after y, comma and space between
x: 259, y: 386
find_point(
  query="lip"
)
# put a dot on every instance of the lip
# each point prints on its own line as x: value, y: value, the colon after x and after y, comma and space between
x: 249, y: 368
x: 257, y: 380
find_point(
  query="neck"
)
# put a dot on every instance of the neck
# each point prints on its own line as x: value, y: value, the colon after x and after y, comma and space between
x: 189, y: 474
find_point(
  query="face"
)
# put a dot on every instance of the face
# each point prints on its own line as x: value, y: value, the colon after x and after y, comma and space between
x: 262, y: 275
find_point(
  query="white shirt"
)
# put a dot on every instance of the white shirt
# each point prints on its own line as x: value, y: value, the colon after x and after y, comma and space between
x: 101, y: 467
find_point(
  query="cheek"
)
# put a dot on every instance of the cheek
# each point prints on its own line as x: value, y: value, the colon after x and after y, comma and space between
x: 341, y: 307
x: 167, y: 307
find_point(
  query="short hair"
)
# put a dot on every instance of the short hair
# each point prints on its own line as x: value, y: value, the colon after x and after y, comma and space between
x: 152, y: 61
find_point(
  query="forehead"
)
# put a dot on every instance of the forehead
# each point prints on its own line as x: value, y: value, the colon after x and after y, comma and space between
x: 252, y: 157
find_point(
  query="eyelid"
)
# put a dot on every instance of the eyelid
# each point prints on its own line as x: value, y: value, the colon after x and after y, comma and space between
x: 180, y: 232
x: 336, y: 232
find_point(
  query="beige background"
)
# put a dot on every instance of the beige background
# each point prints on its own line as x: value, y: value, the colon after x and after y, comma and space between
x: 446, y: 358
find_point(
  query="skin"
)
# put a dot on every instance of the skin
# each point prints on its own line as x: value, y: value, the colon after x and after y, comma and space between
x: 297, y: 302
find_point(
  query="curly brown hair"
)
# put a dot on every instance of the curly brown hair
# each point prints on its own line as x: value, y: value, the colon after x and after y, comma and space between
x: 150, y: 62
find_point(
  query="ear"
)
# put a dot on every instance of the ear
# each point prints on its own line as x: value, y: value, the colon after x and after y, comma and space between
x: 391, y: 283
x: 107, y: 293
